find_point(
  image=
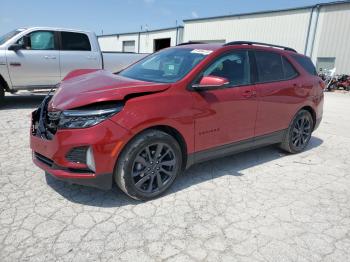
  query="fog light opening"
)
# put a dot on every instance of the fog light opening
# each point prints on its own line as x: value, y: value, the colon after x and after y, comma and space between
x: 90, y: 161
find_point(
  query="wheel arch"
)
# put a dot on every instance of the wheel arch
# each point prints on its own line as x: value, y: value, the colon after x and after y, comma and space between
x: 176, y: 135
x: 3, y: 83
x: 170, y: 131
x: 311, y: 111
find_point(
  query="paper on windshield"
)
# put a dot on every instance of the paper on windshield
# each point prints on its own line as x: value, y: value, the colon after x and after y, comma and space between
x: 201, y: 51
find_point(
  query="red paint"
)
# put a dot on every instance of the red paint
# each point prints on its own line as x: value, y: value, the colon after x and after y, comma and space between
x: 213, y: 81
x: 204, y: 119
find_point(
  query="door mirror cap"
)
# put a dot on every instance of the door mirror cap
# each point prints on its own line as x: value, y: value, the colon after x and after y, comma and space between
x: 16, y: 47
x: 211, y: 83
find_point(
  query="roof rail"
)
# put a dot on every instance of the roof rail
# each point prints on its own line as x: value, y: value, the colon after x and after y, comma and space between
x: 192, y: 43
x: 258, y: 43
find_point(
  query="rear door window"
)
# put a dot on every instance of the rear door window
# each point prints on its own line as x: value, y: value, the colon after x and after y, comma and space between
x: 75, y: 41
x: 306, y: 63
x: 270, y: 67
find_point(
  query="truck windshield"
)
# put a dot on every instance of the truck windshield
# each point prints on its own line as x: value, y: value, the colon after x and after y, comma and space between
x: 166, y: 66
x: 8, y: 36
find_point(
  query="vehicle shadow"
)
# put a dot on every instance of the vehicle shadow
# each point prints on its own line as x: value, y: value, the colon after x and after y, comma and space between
x: 23, y: 100
x: 231, y: 165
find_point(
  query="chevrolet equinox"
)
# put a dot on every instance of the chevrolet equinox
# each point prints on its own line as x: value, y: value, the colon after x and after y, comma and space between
x: 141, y: 127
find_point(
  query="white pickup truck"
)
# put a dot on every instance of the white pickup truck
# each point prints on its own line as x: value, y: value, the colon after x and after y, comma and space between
x: 39, y: 57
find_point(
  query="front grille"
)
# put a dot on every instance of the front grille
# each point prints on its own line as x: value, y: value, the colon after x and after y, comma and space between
x: 52, y: 120
x: 43, y: 159
x: 52, y: 165
x: 77, y: 155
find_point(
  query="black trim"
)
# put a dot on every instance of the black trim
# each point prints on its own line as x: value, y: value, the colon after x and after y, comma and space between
x: 103, y: 181
x: 236, y: 147
x: 260, y: 44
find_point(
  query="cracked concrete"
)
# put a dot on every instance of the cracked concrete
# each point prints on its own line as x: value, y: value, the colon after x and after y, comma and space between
x: 262, y: 205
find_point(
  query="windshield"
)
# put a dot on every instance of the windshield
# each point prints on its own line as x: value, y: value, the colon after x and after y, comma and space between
x: 8, y: 36
x: 166, y: 66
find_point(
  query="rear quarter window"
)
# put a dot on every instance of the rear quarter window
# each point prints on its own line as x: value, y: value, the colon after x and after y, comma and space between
x: 289, y: 70
x: 306, y: 63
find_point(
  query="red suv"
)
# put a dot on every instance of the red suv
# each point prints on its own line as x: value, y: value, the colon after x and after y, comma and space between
x: 141, y: 127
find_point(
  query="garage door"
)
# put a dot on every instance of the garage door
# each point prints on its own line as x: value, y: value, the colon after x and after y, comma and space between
x: 129, y: 46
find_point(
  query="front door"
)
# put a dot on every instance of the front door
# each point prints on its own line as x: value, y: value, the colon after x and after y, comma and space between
x: 37, y: 64
x: 226, y: 115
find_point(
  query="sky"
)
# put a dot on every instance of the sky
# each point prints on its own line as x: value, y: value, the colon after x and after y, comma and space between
x: 119, y: 16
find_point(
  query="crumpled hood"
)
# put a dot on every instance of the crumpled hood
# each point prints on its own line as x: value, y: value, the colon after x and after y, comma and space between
x: 98, y: 86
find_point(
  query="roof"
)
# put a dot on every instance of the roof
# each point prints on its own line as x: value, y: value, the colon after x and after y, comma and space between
x: 142, y: 32
x: 53, y: 29
x: 265, y: 11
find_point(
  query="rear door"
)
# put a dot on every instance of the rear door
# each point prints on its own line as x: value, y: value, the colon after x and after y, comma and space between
x: 277, y: 90
x: 76, y: 52
x: 37, y: 64
x: 226, y: 115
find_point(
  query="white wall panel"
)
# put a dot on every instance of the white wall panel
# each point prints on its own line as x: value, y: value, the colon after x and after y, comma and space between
x: 115, y: 42
x: 287, y: 28
x: 333, y: 36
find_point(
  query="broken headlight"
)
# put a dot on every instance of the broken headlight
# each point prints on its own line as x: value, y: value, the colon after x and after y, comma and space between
x: 82, y: 118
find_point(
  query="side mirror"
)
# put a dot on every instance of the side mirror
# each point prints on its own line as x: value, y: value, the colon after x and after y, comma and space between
x: 23, y: 44
x: 16, y: 47
x: 211, y: 83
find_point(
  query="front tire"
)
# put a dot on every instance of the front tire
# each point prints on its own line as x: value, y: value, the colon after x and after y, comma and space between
x: 299, y: 133
x: 148, y: 165
x: 2, y: 95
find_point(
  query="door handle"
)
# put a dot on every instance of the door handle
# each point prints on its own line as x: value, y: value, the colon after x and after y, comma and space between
x: 50, y: 57
x: 15, y: 64
x: 249, y: 93
x: 91, y: 57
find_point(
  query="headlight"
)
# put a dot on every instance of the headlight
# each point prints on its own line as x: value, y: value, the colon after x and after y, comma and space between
x: 82, y: 118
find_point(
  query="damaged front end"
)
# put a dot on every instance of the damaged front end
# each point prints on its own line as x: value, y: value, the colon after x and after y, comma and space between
x: 44, y: 123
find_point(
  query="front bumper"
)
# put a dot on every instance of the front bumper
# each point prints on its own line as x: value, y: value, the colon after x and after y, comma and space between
x: 106, y: 140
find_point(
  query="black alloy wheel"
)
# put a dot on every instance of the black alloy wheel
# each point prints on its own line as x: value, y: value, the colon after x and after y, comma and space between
x: 301, y: 132
x: 148, y: 165
x: 153, y: 168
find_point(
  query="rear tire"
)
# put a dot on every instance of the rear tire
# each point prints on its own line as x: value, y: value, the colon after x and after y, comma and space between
x: 299, y: 133
x: 148, y: 165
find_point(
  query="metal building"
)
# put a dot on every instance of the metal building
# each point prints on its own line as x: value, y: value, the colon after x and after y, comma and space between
x: 321, y: 31
x: 143, y: 41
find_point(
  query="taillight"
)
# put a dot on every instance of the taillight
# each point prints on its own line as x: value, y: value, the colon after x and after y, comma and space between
x: 322, y: 84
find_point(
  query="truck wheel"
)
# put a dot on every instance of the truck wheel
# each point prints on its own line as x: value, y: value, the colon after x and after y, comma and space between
x: 2, y: 95
x: 299, y: 132
x: 148, y: 165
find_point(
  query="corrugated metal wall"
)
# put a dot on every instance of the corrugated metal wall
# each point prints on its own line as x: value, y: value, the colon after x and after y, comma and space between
x: 333, y: 36
x: 287, y: 28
